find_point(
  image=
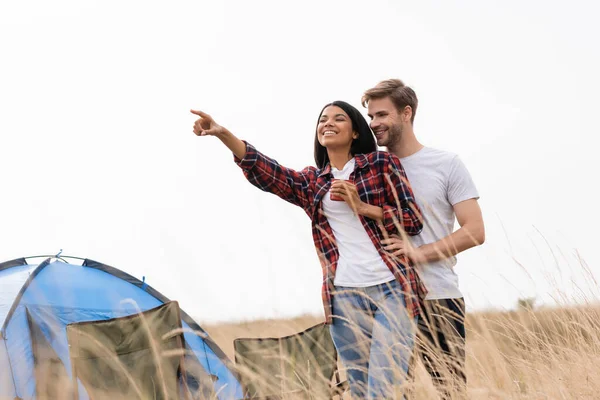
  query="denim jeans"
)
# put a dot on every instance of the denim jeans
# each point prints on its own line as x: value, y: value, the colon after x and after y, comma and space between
x: 374, y: 337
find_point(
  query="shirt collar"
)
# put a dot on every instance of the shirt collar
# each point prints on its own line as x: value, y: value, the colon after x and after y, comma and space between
x: 362, y: 161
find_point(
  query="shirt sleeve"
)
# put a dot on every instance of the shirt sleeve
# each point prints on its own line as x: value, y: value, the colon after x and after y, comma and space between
x: 269, y: 176
x: 401, y: 208
x: 460, y: 184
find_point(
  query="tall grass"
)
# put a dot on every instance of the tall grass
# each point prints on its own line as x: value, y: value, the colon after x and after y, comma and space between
x: 550, y: 353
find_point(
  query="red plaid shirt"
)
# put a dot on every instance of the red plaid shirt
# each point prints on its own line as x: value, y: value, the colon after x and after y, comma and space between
x: 380, y: 181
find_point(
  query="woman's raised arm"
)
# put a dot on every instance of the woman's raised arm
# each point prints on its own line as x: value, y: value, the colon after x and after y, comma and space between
x: 263, y: 172
x: 206, y: 126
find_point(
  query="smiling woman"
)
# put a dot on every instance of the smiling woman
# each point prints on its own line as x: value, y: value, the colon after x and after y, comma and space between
x: 369, y: 297
x: 342, y: 132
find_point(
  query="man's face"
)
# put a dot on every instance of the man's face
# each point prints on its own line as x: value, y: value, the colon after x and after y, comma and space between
x: 387, y: 124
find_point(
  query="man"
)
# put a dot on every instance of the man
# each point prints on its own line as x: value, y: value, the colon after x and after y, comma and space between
x: 444, y: 191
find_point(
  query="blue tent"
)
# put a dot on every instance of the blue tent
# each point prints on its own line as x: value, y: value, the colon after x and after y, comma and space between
x: 55, y: 293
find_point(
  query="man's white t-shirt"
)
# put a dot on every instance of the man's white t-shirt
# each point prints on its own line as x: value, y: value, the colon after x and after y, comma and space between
x: 439, y: 180
x: 359, y: 264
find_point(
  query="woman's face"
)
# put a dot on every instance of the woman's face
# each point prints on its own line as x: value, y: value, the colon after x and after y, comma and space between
x: 335, y: 128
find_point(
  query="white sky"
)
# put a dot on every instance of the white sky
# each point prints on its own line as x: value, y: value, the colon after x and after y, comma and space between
x: 98, y: 157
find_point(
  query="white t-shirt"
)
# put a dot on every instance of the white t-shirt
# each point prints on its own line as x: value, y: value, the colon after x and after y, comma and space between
x: 439, y: 180
x: 359, y: 264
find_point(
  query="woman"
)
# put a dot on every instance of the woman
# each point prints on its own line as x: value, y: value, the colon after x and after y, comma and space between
x: 355, y: 197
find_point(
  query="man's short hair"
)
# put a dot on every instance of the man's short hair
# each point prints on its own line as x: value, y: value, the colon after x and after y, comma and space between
x: 400, y: 94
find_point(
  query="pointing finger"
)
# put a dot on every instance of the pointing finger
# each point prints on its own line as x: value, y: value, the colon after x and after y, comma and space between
x: 201, y: 114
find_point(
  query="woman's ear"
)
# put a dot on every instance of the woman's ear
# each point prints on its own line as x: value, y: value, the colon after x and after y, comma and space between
x: 355, y: 135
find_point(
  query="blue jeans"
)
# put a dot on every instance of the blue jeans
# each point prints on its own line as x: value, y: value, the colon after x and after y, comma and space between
x: 374, y: 337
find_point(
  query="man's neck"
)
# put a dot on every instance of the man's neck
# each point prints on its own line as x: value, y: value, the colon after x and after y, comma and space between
x: 408, y: 146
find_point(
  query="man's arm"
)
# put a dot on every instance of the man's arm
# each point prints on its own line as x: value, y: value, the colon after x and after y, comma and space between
x: 470, y: 234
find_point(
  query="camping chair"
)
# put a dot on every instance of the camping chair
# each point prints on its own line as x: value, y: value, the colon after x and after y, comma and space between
x: 300, y: 366
x: 139, y: 356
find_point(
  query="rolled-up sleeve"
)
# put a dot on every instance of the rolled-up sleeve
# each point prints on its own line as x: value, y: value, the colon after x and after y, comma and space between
x: 249, y: 159
x: 269, y: 176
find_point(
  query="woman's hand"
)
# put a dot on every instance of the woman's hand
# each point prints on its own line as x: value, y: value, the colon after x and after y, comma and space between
x: 347, y: 191
x: 205, y: 125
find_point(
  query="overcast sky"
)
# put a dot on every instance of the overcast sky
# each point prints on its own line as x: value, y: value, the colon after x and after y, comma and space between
x: 98, y: 156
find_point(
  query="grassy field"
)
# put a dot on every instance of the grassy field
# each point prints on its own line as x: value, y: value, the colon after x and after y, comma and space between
x: 541, y: 354
x: 550, y: 353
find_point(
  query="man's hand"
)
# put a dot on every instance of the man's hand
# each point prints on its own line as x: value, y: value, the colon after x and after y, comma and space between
x: 347, y: 191
x: 205, y: 125
x: 398, y: 247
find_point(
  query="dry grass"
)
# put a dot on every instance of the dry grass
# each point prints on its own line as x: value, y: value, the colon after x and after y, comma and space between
x: 542, y: 354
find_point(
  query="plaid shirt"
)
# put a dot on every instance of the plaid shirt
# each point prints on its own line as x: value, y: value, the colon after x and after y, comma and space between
x: 380, y: 181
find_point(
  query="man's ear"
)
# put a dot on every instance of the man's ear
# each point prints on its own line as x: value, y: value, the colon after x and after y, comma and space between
x: 407, y: 113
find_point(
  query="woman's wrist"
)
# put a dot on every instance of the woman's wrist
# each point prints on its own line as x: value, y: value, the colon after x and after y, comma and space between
x: 224, y: 134
x: 370, y: 211
x: 362, y: 209
x: 237, y: 146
